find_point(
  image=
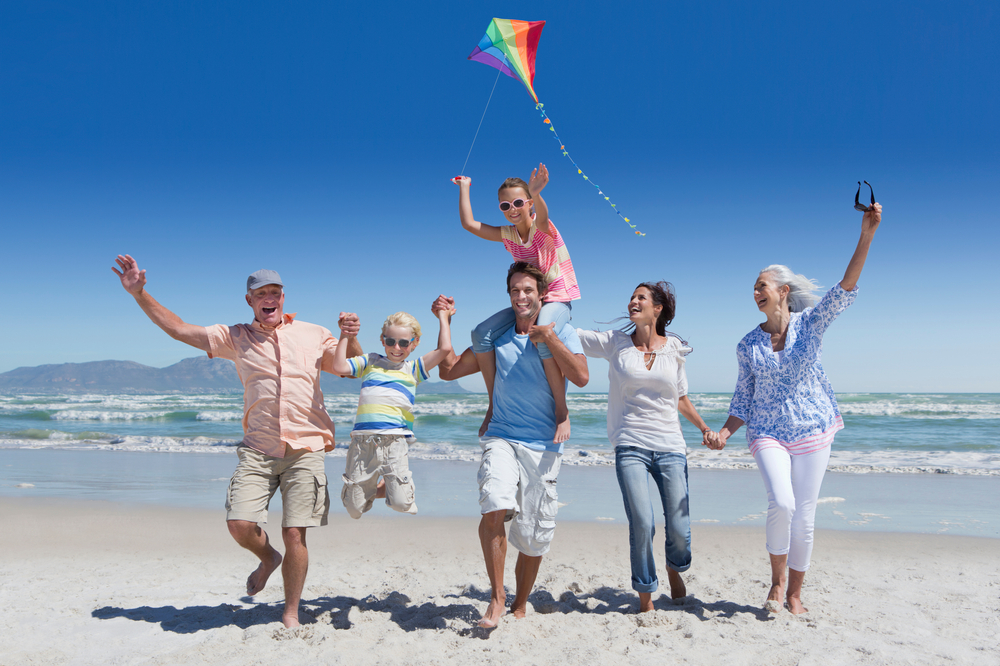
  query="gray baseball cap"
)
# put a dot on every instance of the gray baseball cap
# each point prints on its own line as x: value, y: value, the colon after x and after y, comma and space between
x: 262, y: 278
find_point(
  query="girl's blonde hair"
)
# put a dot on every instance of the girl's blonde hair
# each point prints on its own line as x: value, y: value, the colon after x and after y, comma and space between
x: 403, y: 319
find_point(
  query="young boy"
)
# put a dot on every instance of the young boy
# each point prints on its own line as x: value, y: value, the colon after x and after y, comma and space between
x: 532, y: 237
x: 385, y: 421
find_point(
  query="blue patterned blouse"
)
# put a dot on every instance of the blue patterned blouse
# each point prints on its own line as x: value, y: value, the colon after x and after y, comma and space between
x: 789, y: 400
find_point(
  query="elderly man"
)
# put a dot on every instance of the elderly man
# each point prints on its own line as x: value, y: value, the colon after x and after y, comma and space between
x: 520, y: 462
x: 286, y: 427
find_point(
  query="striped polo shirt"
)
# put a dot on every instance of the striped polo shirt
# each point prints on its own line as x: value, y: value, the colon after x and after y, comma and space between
x: 549, y: 255
x: 388, y: 391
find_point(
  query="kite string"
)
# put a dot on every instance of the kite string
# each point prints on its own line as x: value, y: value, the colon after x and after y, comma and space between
x: 481, y: 119
x: 562, y: 147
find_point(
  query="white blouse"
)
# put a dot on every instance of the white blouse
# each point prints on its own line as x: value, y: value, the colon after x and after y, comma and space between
x: 642, y: 403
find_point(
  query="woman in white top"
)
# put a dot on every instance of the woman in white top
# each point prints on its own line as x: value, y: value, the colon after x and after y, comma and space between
x: 648, y: 387
x: 787, y: 404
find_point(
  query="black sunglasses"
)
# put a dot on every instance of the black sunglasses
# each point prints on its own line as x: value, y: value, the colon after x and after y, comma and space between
x: 860, y: 206
x: 391, y: 342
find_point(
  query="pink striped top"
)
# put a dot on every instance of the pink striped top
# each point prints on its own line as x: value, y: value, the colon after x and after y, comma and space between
x: 809, y: 444
x: 549, y: 255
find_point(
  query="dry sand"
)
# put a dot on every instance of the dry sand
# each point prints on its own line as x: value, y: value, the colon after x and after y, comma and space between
x: 99, y: 583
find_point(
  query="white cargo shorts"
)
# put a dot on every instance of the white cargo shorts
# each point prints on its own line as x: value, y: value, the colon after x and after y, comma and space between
x: 522, y: 482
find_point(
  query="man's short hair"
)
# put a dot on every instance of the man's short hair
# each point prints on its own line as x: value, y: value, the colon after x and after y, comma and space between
x: 529, y: 270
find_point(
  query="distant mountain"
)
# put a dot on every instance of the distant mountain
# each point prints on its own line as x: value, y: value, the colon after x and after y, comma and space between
x: 198, y: 373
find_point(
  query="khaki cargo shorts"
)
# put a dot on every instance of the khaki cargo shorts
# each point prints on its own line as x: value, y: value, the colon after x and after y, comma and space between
x: 372, y: 455
x: 305, y: 501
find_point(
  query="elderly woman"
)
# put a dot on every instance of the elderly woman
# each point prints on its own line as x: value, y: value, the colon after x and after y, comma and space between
x: 784, y: 398
x: 648, y: 388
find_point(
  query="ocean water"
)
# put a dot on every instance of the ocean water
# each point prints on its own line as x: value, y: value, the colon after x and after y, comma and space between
x: 884, y: 433
x: 904, y: 462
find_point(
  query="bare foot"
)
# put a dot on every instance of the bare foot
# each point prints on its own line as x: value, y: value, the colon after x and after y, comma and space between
x: 562, y: 431
x: 491, y: 618
x: 258, y: 579
x: 519, y: 611
x: 380, y: 489
x: 645, y: 602
x: 795, y: 606
x: 290, y: 619
x: 774, y: 602
x: 677, y: 587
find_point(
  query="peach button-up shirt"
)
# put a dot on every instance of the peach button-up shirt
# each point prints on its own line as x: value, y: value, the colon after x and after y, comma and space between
x: 279, y: 369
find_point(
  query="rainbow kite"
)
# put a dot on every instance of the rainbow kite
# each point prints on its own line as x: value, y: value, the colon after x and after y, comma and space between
x: 509, y: 46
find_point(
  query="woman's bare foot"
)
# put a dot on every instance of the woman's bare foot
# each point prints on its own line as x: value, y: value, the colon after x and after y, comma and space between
x: 774, y: 598
x: 258, y: 579
x: 380, y: 489
x: 645, y: 602
x: 794, y: 598
x: 677, y: 588
x: 795, y: 606
x: 491, y: 618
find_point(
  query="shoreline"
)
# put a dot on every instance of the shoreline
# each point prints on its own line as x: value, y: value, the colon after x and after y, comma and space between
x: 925, y: 503
x: 162, y: 585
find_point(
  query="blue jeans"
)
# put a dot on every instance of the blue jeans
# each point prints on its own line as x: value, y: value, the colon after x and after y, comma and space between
x: 634, y: 466
x: 486, y: 334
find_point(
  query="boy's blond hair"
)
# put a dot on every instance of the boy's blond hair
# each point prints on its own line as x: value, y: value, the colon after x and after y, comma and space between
x: 404, y: 319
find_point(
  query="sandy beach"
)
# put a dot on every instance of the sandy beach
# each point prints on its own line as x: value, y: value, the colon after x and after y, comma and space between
x: 88, y: 582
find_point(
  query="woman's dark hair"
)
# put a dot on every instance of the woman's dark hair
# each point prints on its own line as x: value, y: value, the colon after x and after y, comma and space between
x: 663, y: 295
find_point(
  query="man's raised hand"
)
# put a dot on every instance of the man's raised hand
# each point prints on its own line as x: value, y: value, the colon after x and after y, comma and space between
x: 443, y: 304
x: 133, y: 280
x: 349, y: 324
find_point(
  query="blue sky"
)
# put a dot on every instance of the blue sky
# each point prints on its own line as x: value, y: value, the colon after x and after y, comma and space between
x: 212, y: 139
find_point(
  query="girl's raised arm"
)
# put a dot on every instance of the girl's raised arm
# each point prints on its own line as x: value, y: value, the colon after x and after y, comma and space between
x: 469, y: 223
x: 539, y: 179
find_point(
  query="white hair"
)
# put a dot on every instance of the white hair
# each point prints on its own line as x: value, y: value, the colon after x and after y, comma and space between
x: 802, y: 290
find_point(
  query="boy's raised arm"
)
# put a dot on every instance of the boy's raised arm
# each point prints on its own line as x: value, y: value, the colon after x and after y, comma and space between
x: 469, y: 223
x: 348, y: 335
x: 134, y: 282
x: 443, y: 307
x: 350, y: 325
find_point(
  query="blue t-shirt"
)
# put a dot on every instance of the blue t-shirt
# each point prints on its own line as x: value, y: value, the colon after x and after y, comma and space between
x: 524, y: 410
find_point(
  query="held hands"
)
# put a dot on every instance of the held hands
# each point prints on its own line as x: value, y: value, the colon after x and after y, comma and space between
x: 133, y: 280
x: 350, y: 324
x: 871, y: 219
x: 539, y: 179
x: 713, y: 440
x: 443, y: 306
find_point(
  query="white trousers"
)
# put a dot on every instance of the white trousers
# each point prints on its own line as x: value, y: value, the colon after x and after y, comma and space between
x: 792, y: 484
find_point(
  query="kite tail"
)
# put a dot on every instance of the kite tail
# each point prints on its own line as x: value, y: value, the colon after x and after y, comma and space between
x: 562, y: 148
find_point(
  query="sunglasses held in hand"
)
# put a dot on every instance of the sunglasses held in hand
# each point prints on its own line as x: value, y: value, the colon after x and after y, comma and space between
x: 860, y: 206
